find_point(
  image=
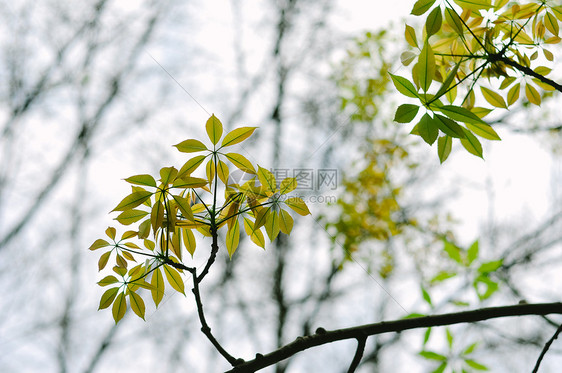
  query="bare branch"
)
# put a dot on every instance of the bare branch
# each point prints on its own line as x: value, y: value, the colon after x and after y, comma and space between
x: 323, y: 337
x: 545, y: 348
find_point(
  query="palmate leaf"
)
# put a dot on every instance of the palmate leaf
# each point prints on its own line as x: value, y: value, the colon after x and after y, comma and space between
x: 426, y: 66
x: 157, y: 282
x: 272, y: 225
x: 410, y: 35
x: 131, y: 216
x: 444, y: 146
x: 427, y: 129
x: 146, y: 180
x: 214, y: 129
x: 405, y: 113
x: 422, y: 6
x: 471, y: 144
x: 267, y: 179
x: 448, y: 126
x: 493, y: 98
x: 256, y: 235
x: 191, y: 146
x: 404, y: 86
x: 483, y: 130
x: 433, y: 21
x: 475, y: 5
x: 99, y: 243
x: 285, y: 221
x: 189, y: 241
x: 137, y: 304
x: 460, y: 114
x: 107, y: 298
x: 297, y: 205
x: 288, y: 185
x: 190, y: 166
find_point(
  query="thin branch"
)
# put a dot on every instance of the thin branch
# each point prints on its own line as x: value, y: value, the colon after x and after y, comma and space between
x: 323, y: 337
x: 358, y: 354
x: 528, y: 71
x: 546, y: 347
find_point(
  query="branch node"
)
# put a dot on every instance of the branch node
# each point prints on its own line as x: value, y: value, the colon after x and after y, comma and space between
x: 320, y: 331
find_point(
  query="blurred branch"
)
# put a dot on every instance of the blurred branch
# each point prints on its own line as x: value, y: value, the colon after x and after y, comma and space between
x: 546, y: 347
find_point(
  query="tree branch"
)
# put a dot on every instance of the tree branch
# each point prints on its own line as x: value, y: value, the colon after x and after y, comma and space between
x: 546, y: 347
x: 530, y: 72
x: 358, y: 354
x: 323, y: 337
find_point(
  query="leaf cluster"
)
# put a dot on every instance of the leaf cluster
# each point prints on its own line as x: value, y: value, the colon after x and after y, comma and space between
x: 170, y: 211
x: 463, y: 41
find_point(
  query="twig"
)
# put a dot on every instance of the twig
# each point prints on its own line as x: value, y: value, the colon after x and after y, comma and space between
x: 358, y: 354
x: 546, y: 347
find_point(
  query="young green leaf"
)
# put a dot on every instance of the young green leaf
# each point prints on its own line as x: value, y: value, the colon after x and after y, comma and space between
x: 448, y: 126
x: 453, y: 20
x: 237, y: 135
x: 426, y: 66
x: 107, y: 298
x: 241, y: 162
x: 288, y: 185
x: 297, y: 205
x: 433, y: 22
x: 189, y: 241
x: 174, y: 279
x: 119, y: 307
x: 214, y: 129
x: 168, y: 175
x: 233, y: 238
x: 532, y: 94
x: 444, y: 146
x: 472, y: 253
x: 471, y: 144
x: 99, y: 243
x: 427, y: 129
x: 102, y: 262
x: 137, y: 304
x: 184, y: 206
x: 190, y: 166
x: 267, y: 179
x: 107, y: 280
x: 191, y: 146
x: 404, y: 86
x: 133, y: 200
x: 157, y: 282
x: 410, y: 35
x: 285, y: 221
x: 475, y: 5
x: 422, y: 6
x: 513, y: 94
x: 110, y: 232
x: 142, y: 180
x: 222, y: 172
x: 460, y: 114
x: 493, y: 98
x: 483, y: 130
x: 272, y: 224
x: 405, y: 113
x: 130, y: 216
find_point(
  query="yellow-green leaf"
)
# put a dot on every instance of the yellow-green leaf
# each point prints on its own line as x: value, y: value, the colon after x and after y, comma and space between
x: 267, y: 179
x: 261, y: 217
x: 137, y: 304
x: 256, y: 235
x: 272, y: 225
x: 444, y: 146
x: 168, y: 175
x: 107, y: 298
x: 285, y: 221
x: 189, y: 182
x: 410, y: 35
x: 142, y: 180
x: 513, y: 94
x: 433, y: 22
x: 191, y: 146
x: 119, y: 307
x: 241, y: 162
x: 184, y: 206
x: 107, y: 280
x: 448, y: 126
x: 460, y: 114
x: 483, y: 130
x: 157, y: 282
x: 532, y: 94
x: 128, y: 234
x: 233, y: 238
x: 288, y: 185
x: 404, y: 86
x: 297, y: 205
x: 102, y: 262
x: 99, y: 243
x: 174, y: 279
x: 471, y: 144
x: 144, y: 229
x: 422, y: 6
x: 407, y: 57
x: 237, y: 135
x: 157, y: 216
x: 110, y: 231
x: 214, y: 129
x: 453, y: 20
x: 426, y: 66
x: 131, y: 216
x: 493, y: 98
x: 551, y: 23
x: 475, y: 5
x: 189, y: 241
x: 222, y: 172
x: 190, y: 166
x: 133, y: 200
x: 450, y: 77
x: 210, y: 171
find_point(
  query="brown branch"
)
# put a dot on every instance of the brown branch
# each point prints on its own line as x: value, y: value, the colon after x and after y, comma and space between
x: 528, y: 71
x: 323, y: 337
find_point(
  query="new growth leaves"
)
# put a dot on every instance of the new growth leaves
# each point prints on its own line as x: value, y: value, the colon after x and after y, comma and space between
x: 170, y: 210
x: 461, y: 43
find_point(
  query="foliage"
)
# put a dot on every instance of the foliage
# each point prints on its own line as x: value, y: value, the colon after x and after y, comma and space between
x: 462, y: 42
x: 172, y: 210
